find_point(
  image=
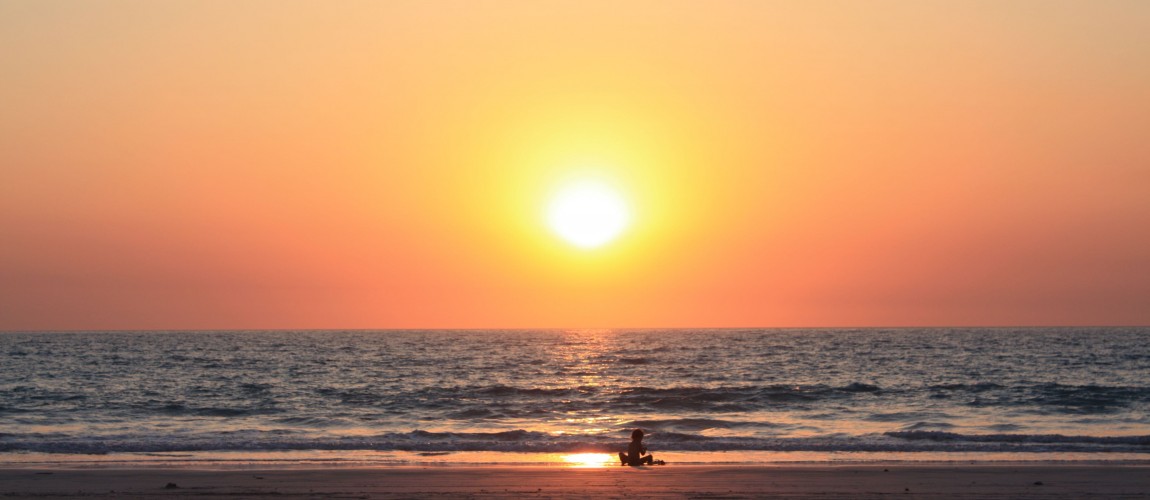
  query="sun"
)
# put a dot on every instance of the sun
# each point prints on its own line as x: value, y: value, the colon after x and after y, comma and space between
x: 588, y: 214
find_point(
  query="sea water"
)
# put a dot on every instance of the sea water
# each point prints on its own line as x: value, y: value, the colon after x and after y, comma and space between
x: 466, y: 396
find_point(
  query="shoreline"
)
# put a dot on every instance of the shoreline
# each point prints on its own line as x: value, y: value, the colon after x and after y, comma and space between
x: 811, y: 481
x: 335, y: 459
x: 227, y: 461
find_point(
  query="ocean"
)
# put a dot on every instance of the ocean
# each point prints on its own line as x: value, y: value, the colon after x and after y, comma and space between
x: 480, y: 396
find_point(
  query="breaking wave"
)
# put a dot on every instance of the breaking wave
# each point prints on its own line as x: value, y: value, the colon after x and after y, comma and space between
x: 529, y: 441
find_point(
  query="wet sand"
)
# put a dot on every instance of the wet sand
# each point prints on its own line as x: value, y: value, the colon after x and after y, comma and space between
x: 702, y: 482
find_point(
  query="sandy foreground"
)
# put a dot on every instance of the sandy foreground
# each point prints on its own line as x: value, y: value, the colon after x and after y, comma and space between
x: 702, y: 482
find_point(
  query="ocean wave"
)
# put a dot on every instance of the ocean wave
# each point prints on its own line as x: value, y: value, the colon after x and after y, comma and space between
x: 460, y: 400
x: 903, y: 416
x: 472, y: 414
x: 470, y: 402
x: 941, y: 436
x: 179, y: 408
x: 928, y: 425
x: 736, y: 397
x: 1058, y: 398
x: 315, y: 422
x: 505, y: 390
x: 532, y: 441
x: 978, y: 387
x: 695, y: 424
x: 1087, y: 396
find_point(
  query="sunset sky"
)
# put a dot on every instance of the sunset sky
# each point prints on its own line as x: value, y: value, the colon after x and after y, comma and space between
x: 390, y: 164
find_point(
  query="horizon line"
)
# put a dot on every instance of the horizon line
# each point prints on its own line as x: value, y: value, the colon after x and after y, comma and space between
x: 524, y: 329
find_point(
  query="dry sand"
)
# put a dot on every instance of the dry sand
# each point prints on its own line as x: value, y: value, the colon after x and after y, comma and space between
x: 703, y: 482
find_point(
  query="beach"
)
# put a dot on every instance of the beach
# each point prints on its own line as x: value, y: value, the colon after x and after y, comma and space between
x: 814, y: 481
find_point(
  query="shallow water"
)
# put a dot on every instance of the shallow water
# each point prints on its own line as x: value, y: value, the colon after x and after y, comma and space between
x: 916, y: 392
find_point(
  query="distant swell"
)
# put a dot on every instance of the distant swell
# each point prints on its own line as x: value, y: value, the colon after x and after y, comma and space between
x: 1058, y: 397
x: 695, y: 424
x: 504, y: 400
x: 950, y: 437
x: 485, y: 402
x: 528, y: 441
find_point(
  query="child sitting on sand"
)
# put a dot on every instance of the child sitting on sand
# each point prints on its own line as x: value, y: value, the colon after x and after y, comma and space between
x: 636, y: 453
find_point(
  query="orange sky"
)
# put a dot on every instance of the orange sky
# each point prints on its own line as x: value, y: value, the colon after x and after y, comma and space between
x: 314, y: 164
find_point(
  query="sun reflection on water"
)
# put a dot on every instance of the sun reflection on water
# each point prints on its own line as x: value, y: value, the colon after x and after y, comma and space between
x: 588, y: 460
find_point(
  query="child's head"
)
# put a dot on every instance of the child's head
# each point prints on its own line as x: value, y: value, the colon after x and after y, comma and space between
x: 637, y: 435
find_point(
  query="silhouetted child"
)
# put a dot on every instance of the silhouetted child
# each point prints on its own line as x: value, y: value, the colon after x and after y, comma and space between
x: 636, y: 453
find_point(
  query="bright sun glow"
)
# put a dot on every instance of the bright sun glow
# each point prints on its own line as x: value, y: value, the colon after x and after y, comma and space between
x: 588, y: 214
